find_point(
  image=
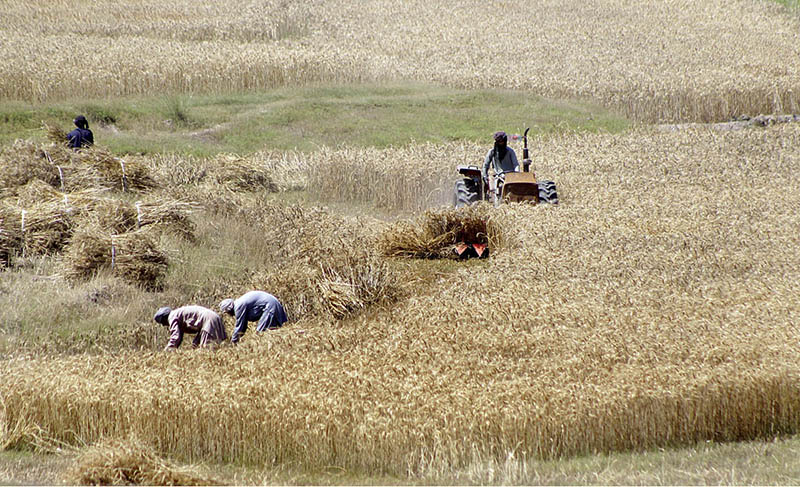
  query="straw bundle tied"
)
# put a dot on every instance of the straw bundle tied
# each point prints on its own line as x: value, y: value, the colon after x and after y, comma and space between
x: 133, y: 256
x: 55, y: 165
x: 435, y: 233
x: 119, y: 173
x: 36, y: 230
x: 69, y: 170
x: 55, y: 134
x: 118, y: 216
x: 131, y: 462
x: 37, y: 191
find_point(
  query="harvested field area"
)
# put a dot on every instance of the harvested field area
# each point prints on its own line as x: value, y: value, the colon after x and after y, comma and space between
x: 675, y: 61
x: 655, y: 306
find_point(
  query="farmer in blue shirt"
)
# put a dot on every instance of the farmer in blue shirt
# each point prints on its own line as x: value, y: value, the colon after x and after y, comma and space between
x: 254, y: 306
x: 81, y: 136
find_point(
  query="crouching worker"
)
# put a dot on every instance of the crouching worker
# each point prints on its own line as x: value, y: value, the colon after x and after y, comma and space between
x: 254, y: 306
x: 205, y: 324
x: 81, y: 136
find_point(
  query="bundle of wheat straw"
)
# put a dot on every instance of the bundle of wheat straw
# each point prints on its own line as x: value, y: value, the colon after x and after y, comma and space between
x: 329, y: 266
x: 112, y: 215
x: 55, y: 134
x: 118, y: 173
x: 132, y: 256
x: 22, y: 162
x: 55, y: 165
x: 434, y: 233
x: 37, y: 229
x: 131, y: 462
x: 239, y: 174
x: 9, y: 240
x: 168, y: 216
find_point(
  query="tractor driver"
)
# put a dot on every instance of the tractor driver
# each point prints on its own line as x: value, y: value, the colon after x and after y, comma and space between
x: 502, y: 158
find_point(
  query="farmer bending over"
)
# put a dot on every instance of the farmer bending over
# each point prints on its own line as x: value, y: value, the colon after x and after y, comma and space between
x: 254, y: 306
x: 202, y: 322
x: 81, y: 136
x: 502, y: 158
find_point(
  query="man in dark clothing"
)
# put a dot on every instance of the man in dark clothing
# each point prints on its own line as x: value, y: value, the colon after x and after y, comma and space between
x: 81, y: 136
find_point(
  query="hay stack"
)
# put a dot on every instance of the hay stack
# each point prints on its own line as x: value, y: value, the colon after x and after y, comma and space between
x: 119, y: 216
x: 130, y: 462
x: 132, y: 256
x: 168, y: 216
x: 434, y: 234
x: 23, y: 161
x: 9, y: 240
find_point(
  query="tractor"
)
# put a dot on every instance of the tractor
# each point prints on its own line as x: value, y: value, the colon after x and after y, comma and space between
x: 506, y: 187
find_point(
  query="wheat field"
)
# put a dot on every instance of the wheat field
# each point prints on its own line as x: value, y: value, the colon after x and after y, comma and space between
x: 677, y: 60
x: 656, y: 306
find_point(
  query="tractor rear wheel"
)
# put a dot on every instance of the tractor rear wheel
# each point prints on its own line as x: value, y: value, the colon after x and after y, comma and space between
x: 547, y: 192
x: 466, y: 193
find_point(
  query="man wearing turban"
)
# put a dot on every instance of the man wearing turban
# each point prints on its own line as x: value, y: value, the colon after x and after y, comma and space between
x: 502, y: 158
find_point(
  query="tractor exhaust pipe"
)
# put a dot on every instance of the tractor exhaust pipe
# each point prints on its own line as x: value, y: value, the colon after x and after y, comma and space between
x: 526, y: 162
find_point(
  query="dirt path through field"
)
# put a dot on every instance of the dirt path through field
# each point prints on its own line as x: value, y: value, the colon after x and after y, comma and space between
x: 742, y: 123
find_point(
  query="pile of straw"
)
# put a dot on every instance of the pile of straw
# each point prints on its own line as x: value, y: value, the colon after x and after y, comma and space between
x: 69, y: 170
x: 55, y: 134
x: 164, y: 216
x: 237, y: 174
x: 120, y: 174
x: 9, y: 241
x: 132, y: 256
x: 328, y: 265
x: 433, y: 235
x: 130, y: 462
x: 24, y: 161
x: 168, y: 216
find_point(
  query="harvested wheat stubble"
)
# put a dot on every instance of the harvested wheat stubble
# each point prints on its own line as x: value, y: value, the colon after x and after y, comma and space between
x: 132, y: 256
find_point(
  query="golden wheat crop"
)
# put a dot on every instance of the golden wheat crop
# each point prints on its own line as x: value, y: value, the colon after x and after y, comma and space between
x: 672, y: 60
x: 655, y: 306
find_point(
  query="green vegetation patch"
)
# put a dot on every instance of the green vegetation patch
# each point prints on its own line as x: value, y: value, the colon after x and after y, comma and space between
x: 306, y: 118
